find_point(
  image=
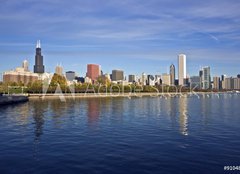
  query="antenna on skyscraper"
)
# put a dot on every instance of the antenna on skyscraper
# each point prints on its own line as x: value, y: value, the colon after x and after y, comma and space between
x: 38, y: 44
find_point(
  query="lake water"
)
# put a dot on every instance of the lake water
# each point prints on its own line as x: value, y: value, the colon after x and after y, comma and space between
x: 121, y: 135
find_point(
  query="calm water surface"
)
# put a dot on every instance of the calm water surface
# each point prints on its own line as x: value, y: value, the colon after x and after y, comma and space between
x: 119, y: 135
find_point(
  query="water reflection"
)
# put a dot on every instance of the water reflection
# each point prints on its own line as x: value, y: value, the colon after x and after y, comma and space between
x: 38, y: 117
x: 172, y: 110
x: 183, y: 115
x: 38, y: 121
x: 93, y: 110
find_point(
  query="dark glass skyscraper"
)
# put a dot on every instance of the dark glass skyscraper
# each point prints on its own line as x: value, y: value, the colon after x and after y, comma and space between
x: 172, y: 74
x: 38, y: 67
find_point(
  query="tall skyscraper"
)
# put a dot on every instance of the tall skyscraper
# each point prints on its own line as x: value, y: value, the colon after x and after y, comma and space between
x: 93, y: 72
x: 223, y: 81
x: 144, y: 79
x: 117, y: 75
x: 38, y: 67
x: 172, y: 74
x: 59, y: 70
x: 216, y: 83
x: 25, y: 65
x: 229, y: 83
x: 205, y: 78
x: 182, y: 72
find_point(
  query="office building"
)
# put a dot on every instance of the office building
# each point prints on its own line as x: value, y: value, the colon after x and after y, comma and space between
x: 205, y: 77
x: 59, y: 70
x: 25, y: 65
x: 216, y: 83
x: 132, y: 78
x: 38, y: 67
x: 158, y: 80
x: 144, y: 79
x: 93, y: 72
x: 172, y: 74
x: 166, y: 79
x: 20, y: 75
x: 117, y: 75
x: 70, y: 75
x: 236, y: 82
x: 182, y: 72
x: 222, y: 83
x: 229, y: 83
x: 150, y: 80
x: 195, y: 82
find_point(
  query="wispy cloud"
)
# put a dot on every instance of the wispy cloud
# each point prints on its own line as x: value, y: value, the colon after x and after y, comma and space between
x: 153, y: 29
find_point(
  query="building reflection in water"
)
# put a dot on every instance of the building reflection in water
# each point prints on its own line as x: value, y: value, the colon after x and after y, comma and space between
x: 172, y: 110
x: 38, y: 109
x: 93, y: 110
x: 183, y: 115
x: 58, y: 109
x: 23, y: 114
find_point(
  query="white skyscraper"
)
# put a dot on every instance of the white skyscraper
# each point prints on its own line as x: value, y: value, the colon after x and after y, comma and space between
x: 182, y: 72
x: 25, y: 65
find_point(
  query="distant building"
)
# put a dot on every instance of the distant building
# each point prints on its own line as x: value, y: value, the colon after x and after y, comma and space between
x: 182, y: 72
x: 236, y: 83
x: 150, y: 80
x: 158, y: 80
x: 45, y: 77
x: 105, y: 78
x: 195, y: 82
x: 222, y: 83
x: 87, y: 80
x: 229, y: 83
x: 216, y: 83
x: 132, y: 78
x: 38, y: 67
x: 166, y: 79
x: 144, y: 79
x: 25, y: 65
x: 80, y: 79
x: 93, y: 72
x: 205, y: 78
x: 117, y: 75
x: 20, y: 75
x: 223, y: 77
x: 59, y: 70
x: 172, y: 74
x: 70, y: 75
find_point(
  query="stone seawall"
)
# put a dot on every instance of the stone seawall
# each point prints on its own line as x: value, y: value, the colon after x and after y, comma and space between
x: 11, y: 99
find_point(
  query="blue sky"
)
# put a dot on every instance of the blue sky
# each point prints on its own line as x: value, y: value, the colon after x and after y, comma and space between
x: 134, y: 35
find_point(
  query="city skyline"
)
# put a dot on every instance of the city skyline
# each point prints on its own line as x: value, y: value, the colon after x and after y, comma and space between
x: 93, y: 71
x: 136, y: 36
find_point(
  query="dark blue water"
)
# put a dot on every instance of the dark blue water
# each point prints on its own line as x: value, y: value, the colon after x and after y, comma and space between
x: 119, y: 135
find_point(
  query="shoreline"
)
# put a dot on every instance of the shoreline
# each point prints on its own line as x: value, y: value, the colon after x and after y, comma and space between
x: 108, y: 95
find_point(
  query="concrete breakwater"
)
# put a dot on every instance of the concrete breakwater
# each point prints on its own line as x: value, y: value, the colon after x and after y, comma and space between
x: 12, y: 99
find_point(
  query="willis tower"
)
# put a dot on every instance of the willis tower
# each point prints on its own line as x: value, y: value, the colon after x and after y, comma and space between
x: 38, y: 67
